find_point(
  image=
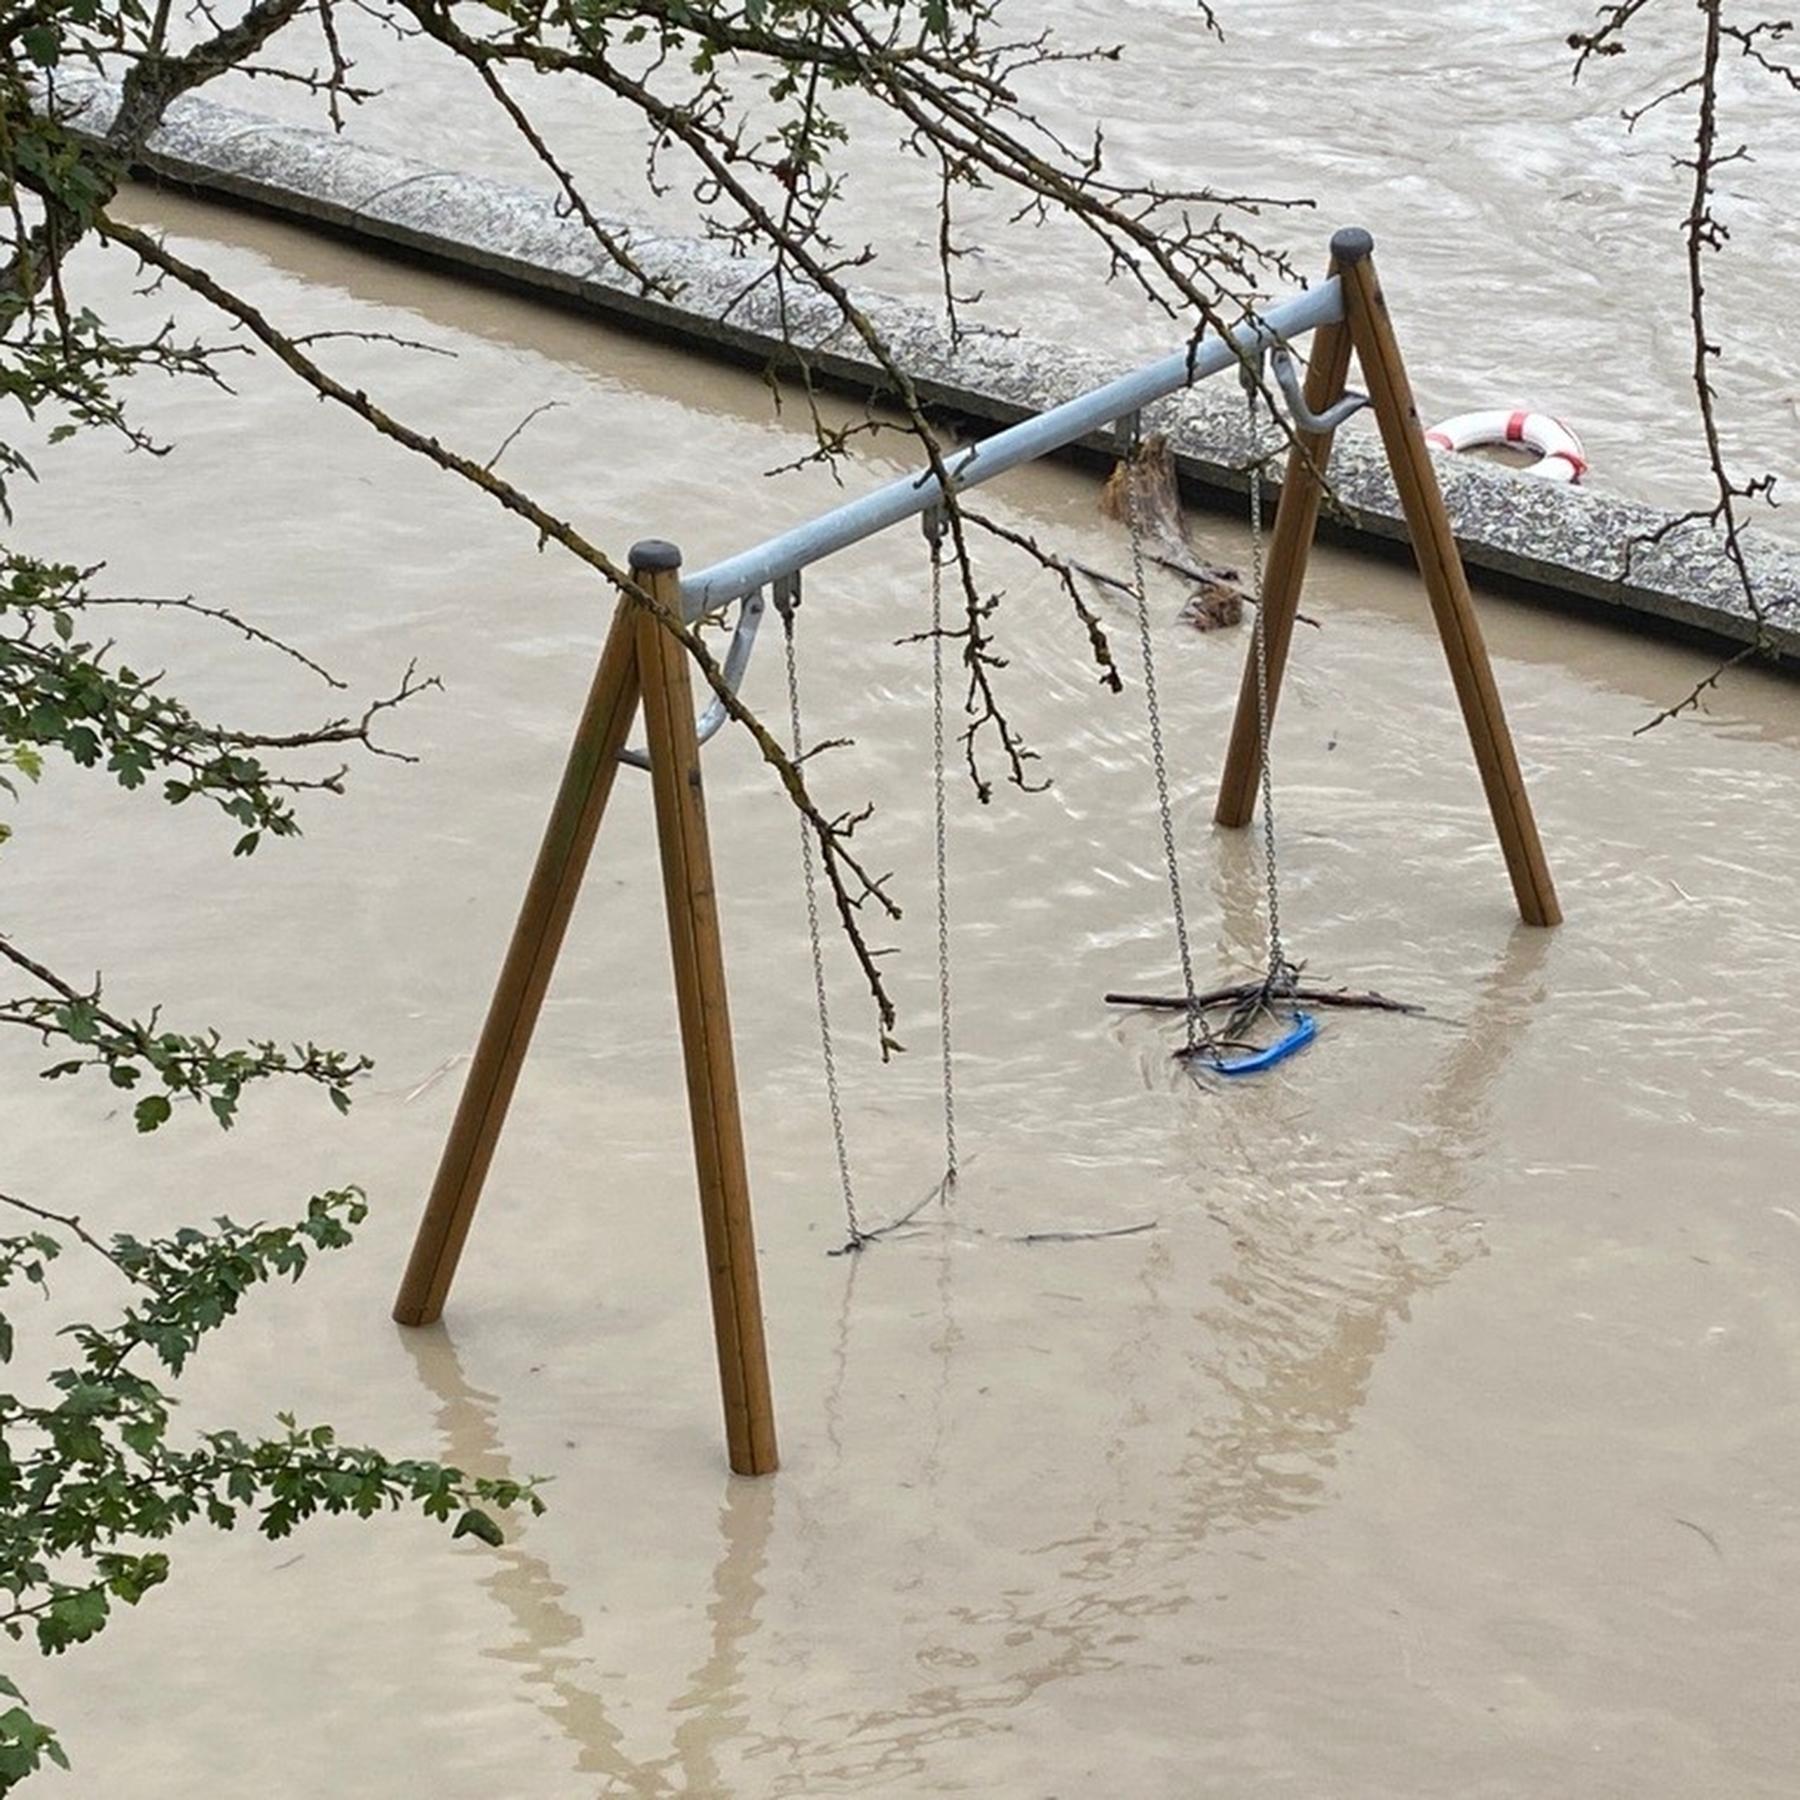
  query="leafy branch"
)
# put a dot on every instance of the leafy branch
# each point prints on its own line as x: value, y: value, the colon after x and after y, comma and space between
x: 196, y: 1066
x: 91, y: 1483
x: 60, y: 691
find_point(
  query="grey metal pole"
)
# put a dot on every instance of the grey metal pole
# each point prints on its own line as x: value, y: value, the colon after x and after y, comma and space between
x: 1037, y: 436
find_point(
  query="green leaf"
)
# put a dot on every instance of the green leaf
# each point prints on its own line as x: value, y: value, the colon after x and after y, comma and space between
x: 476, y: 1524
x: 80, y: 1019
x: 151, y: 1111
x: 43, y: 44
x: 72, y: 1618
x: 132, y: 1577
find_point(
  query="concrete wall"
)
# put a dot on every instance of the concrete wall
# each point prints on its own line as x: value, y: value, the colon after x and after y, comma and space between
x: 1563, y: 541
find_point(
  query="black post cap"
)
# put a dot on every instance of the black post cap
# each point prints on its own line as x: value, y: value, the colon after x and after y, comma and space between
x: 650, y: 556
x: 1351, y: 244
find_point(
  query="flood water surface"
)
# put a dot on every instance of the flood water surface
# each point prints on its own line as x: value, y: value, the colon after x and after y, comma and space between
x: 1437, y: 1435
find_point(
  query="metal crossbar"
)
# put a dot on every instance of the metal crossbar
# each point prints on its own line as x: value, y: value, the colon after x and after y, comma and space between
x: 743, y: 577
x: 718, y: 585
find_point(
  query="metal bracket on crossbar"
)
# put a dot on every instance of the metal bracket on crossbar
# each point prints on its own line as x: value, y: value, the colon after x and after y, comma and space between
x: 737, y: 659
x: 1287, y: 378
x: 786, y: 594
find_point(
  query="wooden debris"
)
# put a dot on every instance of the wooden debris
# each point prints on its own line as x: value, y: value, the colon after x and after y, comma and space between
x: 1217, y: 599
x: 1246, y: 989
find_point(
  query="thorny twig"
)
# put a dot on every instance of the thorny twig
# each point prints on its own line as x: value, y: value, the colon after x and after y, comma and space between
x: 513, y: 436
x: 70, y: 1223
x: 222, y: 614
x: 1065, y: 569
x: 1704, y: 234
x: 852, y: 884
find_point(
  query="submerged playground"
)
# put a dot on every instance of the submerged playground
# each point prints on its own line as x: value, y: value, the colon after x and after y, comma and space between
x: 1305, y: 1310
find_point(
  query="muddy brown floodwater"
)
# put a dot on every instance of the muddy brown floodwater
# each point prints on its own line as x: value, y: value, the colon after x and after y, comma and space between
x: 1442, y: 1437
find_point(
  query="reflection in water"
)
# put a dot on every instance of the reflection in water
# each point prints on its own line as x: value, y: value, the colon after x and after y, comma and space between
x: 945, y: 1343
x: 1319, y: 1276
x: 1321, y: 1268
x: 714, y: 1707
x: 1240, y: 891
x: 717, y: 1699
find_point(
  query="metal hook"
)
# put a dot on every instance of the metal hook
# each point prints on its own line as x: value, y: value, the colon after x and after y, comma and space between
x: 1130, y: 427
x: 1250, y: 369
x: 932, y: 522
x: 1287, y: 378
x: 737, y: 659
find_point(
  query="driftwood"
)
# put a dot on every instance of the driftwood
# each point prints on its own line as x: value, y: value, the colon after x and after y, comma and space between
x: 1246, y: 990
x: 1085, y: 1237
x: 1208, y: 575
x: 1143, y: 483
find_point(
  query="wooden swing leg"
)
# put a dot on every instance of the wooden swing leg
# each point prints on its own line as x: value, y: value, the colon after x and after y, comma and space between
x: 1441, y: 568
x: 612, y: 704
x: 693, y: 913
x: 1296, y: 519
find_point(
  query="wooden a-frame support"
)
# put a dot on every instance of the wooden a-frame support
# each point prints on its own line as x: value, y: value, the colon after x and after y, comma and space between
x: 643, y: 662
x: 1367, y: 329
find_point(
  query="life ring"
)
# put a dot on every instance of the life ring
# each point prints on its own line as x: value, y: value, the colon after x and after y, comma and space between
x: 1559, y: 449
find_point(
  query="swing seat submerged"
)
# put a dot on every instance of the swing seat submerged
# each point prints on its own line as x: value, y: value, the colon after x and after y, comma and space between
x: 1300, y: 1032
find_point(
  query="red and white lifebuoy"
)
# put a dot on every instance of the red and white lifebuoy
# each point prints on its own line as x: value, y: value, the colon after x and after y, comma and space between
x: 1559, y: 449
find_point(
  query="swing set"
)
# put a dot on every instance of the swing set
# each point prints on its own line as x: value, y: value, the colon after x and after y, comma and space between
x: 643, y: 664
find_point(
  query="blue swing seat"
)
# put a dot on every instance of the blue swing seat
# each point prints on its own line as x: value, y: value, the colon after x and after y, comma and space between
x: 1298, y: 1035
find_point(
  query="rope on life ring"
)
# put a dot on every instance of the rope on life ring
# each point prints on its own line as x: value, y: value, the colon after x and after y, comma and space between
x: 1560, y: 456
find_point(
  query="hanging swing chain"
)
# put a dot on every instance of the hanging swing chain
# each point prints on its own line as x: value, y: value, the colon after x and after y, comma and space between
x: 1197, y: 1029
x: 933, y: 522
x: 787, y: 601
x: 1279, y: 975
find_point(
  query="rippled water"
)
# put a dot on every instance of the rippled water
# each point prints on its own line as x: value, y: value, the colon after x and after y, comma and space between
x: 1531, y: 246
x: 1440, y: 1438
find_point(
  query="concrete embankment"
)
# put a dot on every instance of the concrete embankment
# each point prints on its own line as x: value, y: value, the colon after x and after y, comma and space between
x: 1579, y: 545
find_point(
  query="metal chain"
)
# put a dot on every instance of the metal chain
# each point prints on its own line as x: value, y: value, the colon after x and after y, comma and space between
x: 1165, y: 808
x: 934, y: 533
x: 1279, y: 975
x: 787, y: 599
